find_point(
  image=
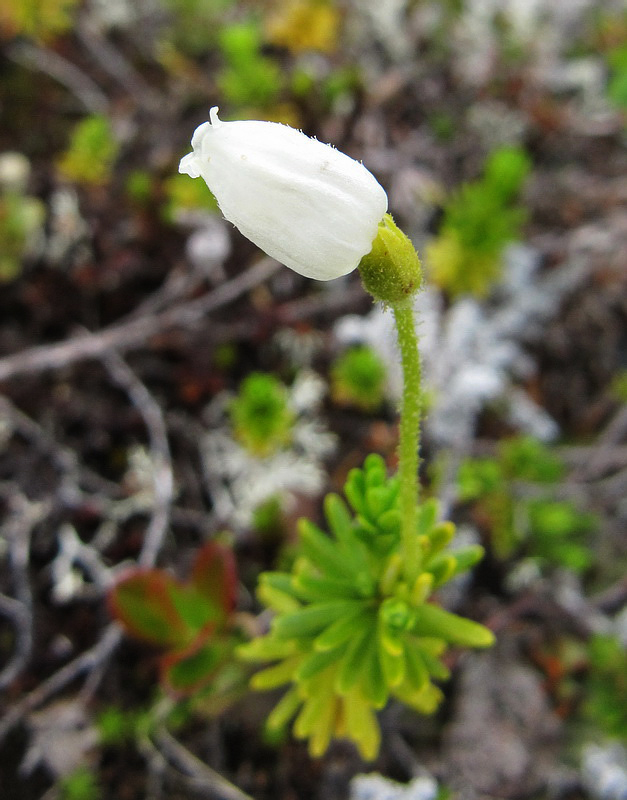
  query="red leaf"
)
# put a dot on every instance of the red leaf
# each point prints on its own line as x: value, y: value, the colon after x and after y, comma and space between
x: 215, y: 576
x: 142, y: 603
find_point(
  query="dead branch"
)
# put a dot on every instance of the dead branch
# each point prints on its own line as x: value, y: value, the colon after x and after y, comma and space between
x: 202, y: 776
x: 129, y: 335
x: 40, y: 58
x: 86, y: 661
x: 163, y: 476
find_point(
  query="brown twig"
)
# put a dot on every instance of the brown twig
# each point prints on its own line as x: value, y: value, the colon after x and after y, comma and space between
x: 112, y: 60
x: 128, y: 335
x: 83, y: 88
x: 17, y: 530
x: 86, y: 661
x: 163, y: 476
x: 203, y: 776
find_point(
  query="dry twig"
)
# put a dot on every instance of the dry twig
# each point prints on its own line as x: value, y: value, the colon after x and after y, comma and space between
x: 163, y: 481
x: 128, y: 335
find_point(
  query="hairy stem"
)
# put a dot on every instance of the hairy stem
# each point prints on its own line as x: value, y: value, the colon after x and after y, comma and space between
x: 409, y: 435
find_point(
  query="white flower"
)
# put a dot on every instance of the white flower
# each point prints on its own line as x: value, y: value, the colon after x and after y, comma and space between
x: 306, y: 204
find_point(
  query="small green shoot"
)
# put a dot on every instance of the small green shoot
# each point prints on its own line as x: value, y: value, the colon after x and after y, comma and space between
x: 21, y: 217
x: 358, y: 379
x: 91, y: 153
x: 480, y: 218
x: 304, y: 25
x: 248, y: 78
x: 260, y: 415
x: 552, y: 532
x: 41, y: 21
x: 82, y: 784
x: 183, y: 194
x: 193, y: 24
x: 617, y: 83
x: 605, y: 688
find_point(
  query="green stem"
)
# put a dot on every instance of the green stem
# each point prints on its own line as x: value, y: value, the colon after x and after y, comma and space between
x: 409, y: 435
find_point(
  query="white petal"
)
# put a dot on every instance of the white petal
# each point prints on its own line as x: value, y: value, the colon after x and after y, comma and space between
x: 303, y: 202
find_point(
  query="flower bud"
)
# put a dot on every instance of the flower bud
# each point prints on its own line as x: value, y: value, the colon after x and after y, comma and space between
x: 391, y: 270
x: 304, y: 203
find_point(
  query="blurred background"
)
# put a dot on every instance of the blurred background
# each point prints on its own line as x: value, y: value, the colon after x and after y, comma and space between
x: 165, y: 387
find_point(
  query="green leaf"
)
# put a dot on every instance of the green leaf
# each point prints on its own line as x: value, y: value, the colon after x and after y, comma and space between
x: 440, y: 535
x: 435, y: 667
x: 427, y: 515
x: 341, y: 630
x: 281, y: 581
x: 373, y: 682
x: 340, y: 520
x: 435, y: 621
x: 361, y: 725
x: 267, y: 648
x: 390, y: 521
x: 194, y: 608
x: 417, y: 674
x: 354, y: 489
x: 284, y: 710
x: 319, y: 589
x: 187, y: 672
x: 377, y: 500
x: 323, y: 552
x: 354, y: 660
x: 313, y: 619
x: 442, y: 567
x: 392, y: 659
x: 316, y: 662
x: 278, y: 675
x: 277, y: 600
x: 314, y: 711
x: 467, y: 557
x: 425, y: 700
